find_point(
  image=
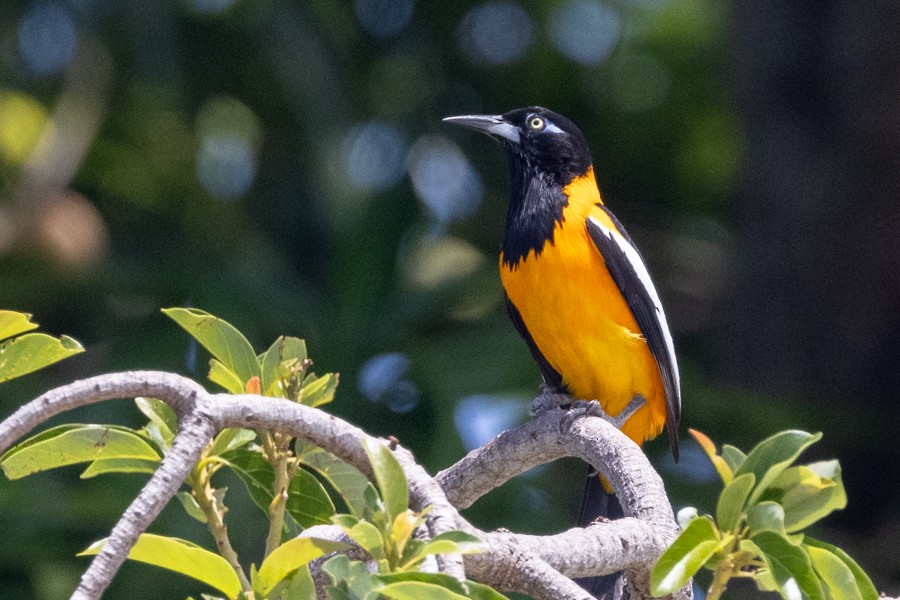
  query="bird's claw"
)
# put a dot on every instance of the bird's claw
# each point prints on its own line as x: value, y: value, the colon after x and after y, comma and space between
x: 592, y: 408
x: 549, y: 400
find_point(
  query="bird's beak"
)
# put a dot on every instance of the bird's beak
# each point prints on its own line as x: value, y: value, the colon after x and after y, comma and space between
x: 493, y: 125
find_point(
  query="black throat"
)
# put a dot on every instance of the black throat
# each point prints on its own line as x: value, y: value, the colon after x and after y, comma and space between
x: 536, y: 203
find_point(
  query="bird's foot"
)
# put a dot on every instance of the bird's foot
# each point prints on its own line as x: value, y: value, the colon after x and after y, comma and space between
x: 593, y: 408
x: 549, y: 399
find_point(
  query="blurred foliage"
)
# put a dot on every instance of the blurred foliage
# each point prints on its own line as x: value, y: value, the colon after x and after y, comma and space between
x: 283, y: 165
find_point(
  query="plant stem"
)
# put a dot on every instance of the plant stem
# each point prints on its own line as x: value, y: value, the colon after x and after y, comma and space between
x: 277, y: 450
x: 204, y: 494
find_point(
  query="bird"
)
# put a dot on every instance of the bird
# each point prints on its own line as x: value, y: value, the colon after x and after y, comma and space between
x: 579, y: 292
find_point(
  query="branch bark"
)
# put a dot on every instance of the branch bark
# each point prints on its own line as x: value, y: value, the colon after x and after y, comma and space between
x: 540, y: 566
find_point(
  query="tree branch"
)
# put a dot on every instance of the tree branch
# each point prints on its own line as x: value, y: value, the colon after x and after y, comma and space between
x: 540, y: 566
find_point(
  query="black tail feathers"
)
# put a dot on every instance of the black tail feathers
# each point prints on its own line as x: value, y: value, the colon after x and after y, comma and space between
x: 597, y: 502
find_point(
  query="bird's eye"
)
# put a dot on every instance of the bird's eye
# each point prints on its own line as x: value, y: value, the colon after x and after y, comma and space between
x: 535, y: 122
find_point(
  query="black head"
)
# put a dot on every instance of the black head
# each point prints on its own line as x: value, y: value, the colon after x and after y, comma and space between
x: 536, y: 140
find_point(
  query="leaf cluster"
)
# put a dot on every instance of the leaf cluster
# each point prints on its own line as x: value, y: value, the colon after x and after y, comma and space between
x: 757, y: 532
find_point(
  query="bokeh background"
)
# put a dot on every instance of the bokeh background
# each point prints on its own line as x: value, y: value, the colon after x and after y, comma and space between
x: 282, y: 164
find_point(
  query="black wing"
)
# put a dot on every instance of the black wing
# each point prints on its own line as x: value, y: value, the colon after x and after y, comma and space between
x: 630, y: 274
x: 551, y: 376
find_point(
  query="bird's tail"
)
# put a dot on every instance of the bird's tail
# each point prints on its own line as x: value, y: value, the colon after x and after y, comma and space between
x: 596, y: 502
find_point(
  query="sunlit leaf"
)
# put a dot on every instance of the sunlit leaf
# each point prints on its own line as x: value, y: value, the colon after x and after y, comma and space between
x: 454, y: 541
x: 866, y: 588
x: 349, y: 482
x: 837, y: 577
x: 222, y: 375
x: 160, y: 414
x: 300, y: 587
x: 32, y: 351
x: 220, y: 338
x: 732, y: 501
x: 368, y: 537
x: 72, y: 444
x: 319, y: 391
x: 733, y: 457
x: 687, y: 554
x: 440, y: 579
x: 284, y: 349
x: 773, y: 455
x: 417, y: 590
x: 308, y: 502
x: 231, y: 439
x: 722, y: 468
x: 353, y: 573
x: 182, y: 557
x: 766, y: 516
x: 388, y: 475
x: 14, y: 323
x: 290, y: 556
x: 788, y: 563
x: 811, y: 493
x: 120, y: 465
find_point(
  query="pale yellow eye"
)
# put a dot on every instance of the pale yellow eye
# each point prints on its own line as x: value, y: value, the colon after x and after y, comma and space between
x: 536, y: 122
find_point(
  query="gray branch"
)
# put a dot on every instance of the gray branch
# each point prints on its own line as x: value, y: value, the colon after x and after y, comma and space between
x: 540, y: 566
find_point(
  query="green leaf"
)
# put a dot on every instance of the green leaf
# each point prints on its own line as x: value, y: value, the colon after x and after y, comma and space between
x: 290, y: 556
x: 479, y: 591
x: 766, y: 516
x: 368, y: 537
x: 441, y: 579
x: 810, y: 493
x: 866, y: 588
x: 353, y: 573
x: 220, y: 338
x: 416, y: 590
x: 349, y: 482
x: 120, y: 465
x: 773, y: 455
x: 160, y: 414
x: 284, y: 349
x: 13, y: 323
x: 32, y: 351
x: 690, y: 551
x: 181, y: 556
x: 319, y: 390
x: 733, y: 457
x: 788, y: 563
x: 301, y: 587
x: 732, y: 500
x: 256, y: 473
x: 454, y: 541
x: 230, y: 439
x: 308, y: 502
x: 389, y: 476
x: 190, y: 506
x: 834, y: 574
x: 228, y: 379
x: 72, y: 444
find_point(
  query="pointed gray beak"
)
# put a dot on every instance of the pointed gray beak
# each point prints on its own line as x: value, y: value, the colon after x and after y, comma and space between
x: 493, y: 125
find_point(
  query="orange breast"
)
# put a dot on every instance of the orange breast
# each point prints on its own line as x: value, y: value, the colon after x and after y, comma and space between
x: 580, y: 321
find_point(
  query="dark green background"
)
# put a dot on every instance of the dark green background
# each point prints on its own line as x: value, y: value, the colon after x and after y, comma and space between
x: 203, y: 157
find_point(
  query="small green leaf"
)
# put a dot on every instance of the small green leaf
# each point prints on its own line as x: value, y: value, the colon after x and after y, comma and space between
x: 228, y: 379
x: 835, y: 575
x: 190, y: 506
x: 789, y: 564
x: 284, y: 349
x: 478, y: 591
x: 182, y: 557
x: 120, y: 465
x: 308, y: 502
x: 732, y: 501
x: 454, y: 541
x: 369, y: 538
x: 353, y: 573
x: 220, y: 338
x: 416, y: 590
x: 388, y: 475
x: 773, y: 455
x: 349, y: 482
x: 440, y: 579
x: 256, y: 473
x: 290, y: 556
x: 319, y: 390
x: 766, y: 516
x: 812, y: 492
x: 733, y: 457
x: 864, y: 584
x: 690, y: 551
x: 13, y: 323
x: 160, y: 414
x: 32, y: 351
x: 231, y: 439
x: 301, y: 587
x: 72, y: 444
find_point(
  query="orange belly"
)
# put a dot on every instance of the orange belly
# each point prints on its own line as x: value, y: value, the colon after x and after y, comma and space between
x: 580, y: 321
